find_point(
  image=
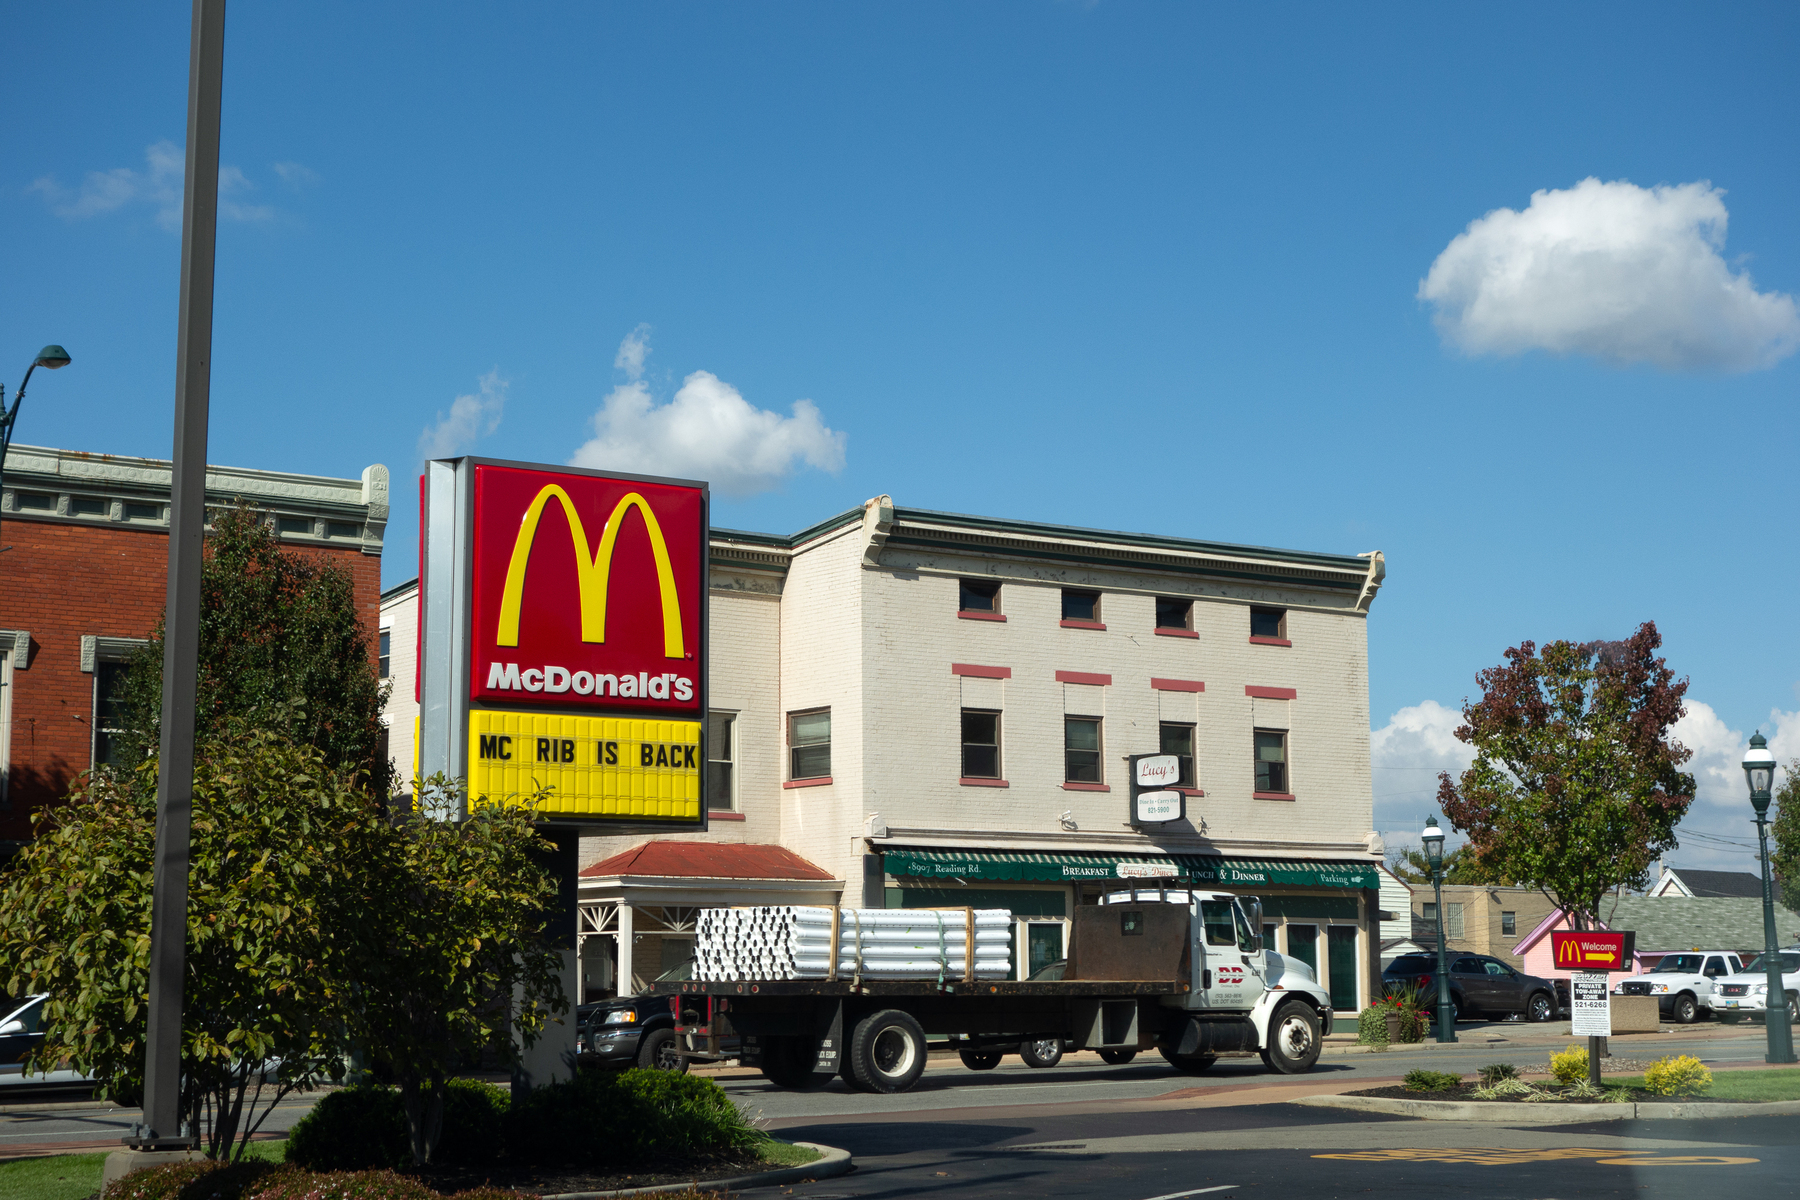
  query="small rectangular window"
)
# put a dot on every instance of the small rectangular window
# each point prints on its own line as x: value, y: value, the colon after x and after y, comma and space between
x: 1509, y: 924
x: 978, y: 595
x: 1080, y: 606
x: 342, y: 529
x: 88, y: 506
x: 720, y: 757
x: 1268, y: 623
x: 980, y: 744
x: 300, y: 525
x: 1271, y: 761
x: 1430, y: 911
x: 1174, y: 614
x: 384, y: 657
x: 1081, y: 749
x: 142, y: 512
x: 36, y: 501
x: 109, y: 713
x: 809, y: 744
x: 1178, y: 740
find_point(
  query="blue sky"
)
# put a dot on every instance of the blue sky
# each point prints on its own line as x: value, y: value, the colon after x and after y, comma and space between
x: 1147, y: 267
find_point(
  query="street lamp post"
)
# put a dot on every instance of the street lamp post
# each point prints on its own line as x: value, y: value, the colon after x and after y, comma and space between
x: 50, y: 358
x: 1759, y: 769
x: 1433, y: 838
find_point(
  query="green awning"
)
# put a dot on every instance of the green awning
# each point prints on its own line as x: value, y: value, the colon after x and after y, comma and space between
x: 1212, y: 869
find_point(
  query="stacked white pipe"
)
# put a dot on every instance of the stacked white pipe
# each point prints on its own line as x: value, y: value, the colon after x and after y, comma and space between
x: 795, y: 942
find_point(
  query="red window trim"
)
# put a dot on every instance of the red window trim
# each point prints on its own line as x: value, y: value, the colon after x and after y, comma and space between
x: 1083, y: 625
x: 980, y: 672
x: 1188, y: 791
x: 1086, y: 787
x: 1176, y: 685
x: 1269, y: 641
x: 723, y: 814
x: 1086, y: 677
x: 1271, y: 795
x: 817, y: 781
x: 1171, y: 631
x: 982, y: 781
x: 1270, y: 693
x: 967, y: 615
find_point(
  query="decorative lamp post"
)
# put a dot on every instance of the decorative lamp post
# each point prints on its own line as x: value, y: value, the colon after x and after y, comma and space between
x: 1759, y: 769
x: 1433, y: 838
x: 50, y: 358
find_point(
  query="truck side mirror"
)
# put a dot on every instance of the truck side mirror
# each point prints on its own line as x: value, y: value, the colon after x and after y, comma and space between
x: 1252, y: 906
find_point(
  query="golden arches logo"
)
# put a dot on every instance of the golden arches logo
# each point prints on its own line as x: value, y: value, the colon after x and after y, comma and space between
x: 592, y: 574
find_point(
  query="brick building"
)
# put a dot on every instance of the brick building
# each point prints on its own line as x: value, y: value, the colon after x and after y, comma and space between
x: 83, y: 576
x: 933, y: 709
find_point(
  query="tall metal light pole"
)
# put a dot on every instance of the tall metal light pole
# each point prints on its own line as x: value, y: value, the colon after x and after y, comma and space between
x: 1433, y: 838
x: 1759, y: 769
x: 162, y: 1124
x: 50, y: 358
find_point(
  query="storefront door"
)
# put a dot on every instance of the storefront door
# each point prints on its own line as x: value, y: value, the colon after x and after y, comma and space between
x: 1303, y: 944
x: 1340, y: 943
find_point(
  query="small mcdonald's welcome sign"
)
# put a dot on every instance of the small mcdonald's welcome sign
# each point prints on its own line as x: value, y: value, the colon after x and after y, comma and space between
x: 1599, y: 951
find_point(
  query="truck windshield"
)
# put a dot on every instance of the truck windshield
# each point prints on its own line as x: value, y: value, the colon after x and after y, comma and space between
x: 1790, y: 962
x: 1216, y: 916
x: 1683, y: 964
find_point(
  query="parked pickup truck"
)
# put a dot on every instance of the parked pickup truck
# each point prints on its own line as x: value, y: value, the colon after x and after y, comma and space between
x: 1183, y: 972
x: 1747, y: 993
x: 1683, y: 984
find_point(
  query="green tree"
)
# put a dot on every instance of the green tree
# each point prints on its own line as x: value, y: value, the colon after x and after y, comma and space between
x: 277, y: 629
x: 455, y: 958
x: 1576, y: 787
x: 1785, y: 826
x: 1461, y: 866
x: 278, y: 842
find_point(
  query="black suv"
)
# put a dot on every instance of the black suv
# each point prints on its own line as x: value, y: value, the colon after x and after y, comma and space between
x: 1480, y: 986
x: 633, y: 1031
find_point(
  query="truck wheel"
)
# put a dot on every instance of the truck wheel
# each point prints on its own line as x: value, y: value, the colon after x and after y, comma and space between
x: 1117, y: 1058
x: 980, y: 1060
x: 1540, y: 1007
x: 887, y: 1051
x: 1046, y: 1052
x: 1684, y: 1010
x: 788, y: 1062
x: 1293, y: 1039
x: 657, y: 1052
x: 1188, y: 1064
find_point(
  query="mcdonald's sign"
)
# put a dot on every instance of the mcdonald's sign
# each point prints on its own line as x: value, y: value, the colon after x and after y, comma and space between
x: 1595, y: 951
x: 588, y: 591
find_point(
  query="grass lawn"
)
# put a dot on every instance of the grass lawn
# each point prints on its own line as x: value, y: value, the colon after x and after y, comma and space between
x: 786, y: 1154
x: 59, y: 1177
x: 1778, y: 1084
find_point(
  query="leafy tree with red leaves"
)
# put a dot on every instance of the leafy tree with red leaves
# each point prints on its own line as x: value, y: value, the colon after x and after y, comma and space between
x: 1576, y: 786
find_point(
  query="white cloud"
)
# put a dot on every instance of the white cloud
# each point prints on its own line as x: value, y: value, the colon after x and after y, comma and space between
x: 707, y: 431
x: 470, y: 418
x: 159, y: 185
x: 295, y: 175
x: 1406, y: 754
x: 1613, y: 270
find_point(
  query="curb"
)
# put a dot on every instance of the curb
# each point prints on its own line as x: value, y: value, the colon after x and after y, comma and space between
x: 833, y: 1162
x: 1552, y: 1113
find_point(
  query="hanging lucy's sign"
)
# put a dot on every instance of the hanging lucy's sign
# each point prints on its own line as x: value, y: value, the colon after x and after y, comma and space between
x: 587, y: 591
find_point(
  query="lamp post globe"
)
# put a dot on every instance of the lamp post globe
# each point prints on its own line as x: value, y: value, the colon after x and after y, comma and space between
x: 1759, y: 773
x: 1433, y: 841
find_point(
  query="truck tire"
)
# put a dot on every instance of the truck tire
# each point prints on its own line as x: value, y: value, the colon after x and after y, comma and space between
x: 1117, y: 1058
x: 788, y: 1062
x: 1045, y: 1052
x: 1188, y: 1064
x: 657, y: 1052
x: 980, y: 1060
x: 887, y: 1051
x: 1293, y: 1039
x: 1684, y: 1011
x: 1541, y: 1007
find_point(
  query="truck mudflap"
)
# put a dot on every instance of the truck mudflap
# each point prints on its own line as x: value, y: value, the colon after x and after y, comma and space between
x: 1217, y: 1035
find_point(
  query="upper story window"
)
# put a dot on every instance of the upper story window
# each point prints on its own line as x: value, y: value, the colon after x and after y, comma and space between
x: 1174, y: 614
x: 384, y: 658
x: 300, y: 525
x: 1271, y: 761
x: 978, y: 596
x: 1081, y: 749
x: 88, y: 506
x: 721, y: 757
x: 35, y: 501
x: 1269, y: 625
x: 1178, y: 739
x: 1082, y: 608
x: 142, y: 512
x: 342, y: 529
x: 980, y: 744
x: 109, y: 712
x: 809, y: 744
x: 1509, y: 924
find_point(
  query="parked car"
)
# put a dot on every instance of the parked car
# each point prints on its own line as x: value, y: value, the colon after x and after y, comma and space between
x: 633, y: 1031
x: 1683, y: 984
x: 21, y: 1032
x: 1480, y: 986
x: 1747, y: 993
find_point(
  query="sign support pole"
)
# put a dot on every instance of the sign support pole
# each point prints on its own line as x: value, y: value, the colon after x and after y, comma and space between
x: 161, y: 1128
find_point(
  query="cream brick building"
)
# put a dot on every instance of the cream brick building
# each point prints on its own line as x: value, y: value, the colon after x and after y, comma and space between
x: 845, y: 658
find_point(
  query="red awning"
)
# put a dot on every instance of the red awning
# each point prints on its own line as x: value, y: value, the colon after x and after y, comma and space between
x: 707, y: 860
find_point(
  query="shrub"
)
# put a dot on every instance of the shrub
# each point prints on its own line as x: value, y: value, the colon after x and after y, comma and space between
x: 1493, y: 1073
x: 353, y: 1185
x: 352, y: 1129
x: 474, y: 1123
x: 1371, y: 1026
x: 1571, y: 1066
x: 223, y: 1181
x: 1431, y: 1081
x: 1681, y: 1076
x: 622, y: 1120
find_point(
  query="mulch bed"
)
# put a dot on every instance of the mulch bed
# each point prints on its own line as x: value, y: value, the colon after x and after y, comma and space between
x: 1465, y: 1093
x: 551, y: 1181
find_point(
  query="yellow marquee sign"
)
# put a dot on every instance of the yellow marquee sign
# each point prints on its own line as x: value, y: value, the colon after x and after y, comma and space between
x: 619, y: 767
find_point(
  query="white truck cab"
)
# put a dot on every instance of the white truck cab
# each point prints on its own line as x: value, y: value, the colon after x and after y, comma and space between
x: 1747, y: 993
x: 1683, y: 984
